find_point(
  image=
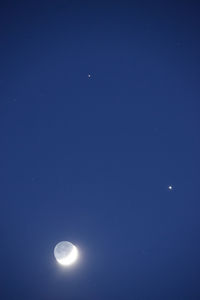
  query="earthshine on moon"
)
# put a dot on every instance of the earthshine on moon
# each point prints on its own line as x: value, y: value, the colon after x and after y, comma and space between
x: 65, y: 253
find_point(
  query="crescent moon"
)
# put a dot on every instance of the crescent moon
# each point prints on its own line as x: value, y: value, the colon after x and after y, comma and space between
x: 65, y: 253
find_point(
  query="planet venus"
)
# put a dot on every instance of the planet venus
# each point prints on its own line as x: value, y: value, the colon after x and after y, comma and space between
x: 65, y: 253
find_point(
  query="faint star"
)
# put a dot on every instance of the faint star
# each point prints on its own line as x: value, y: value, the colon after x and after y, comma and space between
x: 170, y: 187
x: 89, y: 75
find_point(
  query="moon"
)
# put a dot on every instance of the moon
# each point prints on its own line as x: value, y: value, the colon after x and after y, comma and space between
x: 65, y: 253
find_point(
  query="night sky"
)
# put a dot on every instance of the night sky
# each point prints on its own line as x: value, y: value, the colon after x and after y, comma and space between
x: 89, y: 159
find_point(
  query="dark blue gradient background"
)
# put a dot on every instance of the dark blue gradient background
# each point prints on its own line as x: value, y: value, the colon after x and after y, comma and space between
x: 90, y: 160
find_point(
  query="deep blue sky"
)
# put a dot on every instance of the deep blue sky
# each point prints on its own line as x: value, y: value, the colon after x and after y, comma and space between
x: 90, y: 160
